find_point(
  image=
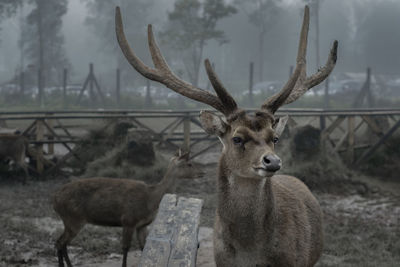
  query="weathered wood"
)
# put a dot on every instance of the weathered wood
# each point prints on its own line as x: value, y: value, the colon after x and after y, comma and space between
x: 350, y: 139
x: 39, y: 147
x: 205, y: 149
x: 186, y: 132
x: 334, y: 124
x: 370, y: 151
x: 372, y: 124
x: 345, y: 136
x: 339, y: 127
x: 50, y: 146
x: 172, y: 240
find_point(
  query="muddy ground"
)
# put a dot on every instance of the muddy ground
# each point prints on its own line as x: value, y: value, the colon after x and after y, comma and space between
x: 360, y: 229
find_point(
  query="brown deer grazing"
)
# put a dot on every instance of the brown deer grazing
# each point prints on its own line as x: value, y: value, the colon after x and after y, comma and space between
x: 262, y: 219
x: 112, y: 202
x: 14, y: 146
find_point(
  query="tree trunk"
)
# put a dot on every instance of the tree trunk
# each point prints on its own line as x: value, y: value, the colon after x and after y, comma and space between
x: 261, y: 54
x: 41, y: 67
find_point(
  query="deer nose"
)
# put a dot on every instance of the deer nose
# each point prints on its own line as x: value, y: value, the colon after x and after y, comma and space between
x: 272, y: 162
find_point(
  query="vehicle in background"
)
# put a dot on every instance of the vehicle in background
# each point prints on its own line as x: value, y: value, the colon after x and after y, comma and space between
x: 265, y: 88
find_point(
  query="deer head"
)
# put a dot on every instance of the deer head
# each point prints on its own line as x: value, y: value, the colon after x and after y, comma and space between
x: 248, y: 140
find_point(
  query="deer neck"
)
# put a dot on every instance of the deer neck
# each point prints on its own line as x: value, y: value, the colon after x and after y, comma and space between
x: 166, y: 185
x: 244, y: 197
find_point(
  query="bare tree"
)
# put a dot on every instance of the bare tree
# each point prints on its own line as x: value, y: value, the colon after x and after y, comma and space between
x: 262, y: 14
x: 192, y: 24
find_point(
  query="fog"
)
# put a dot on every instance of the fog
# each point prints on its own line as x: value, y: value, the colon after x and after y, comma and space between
x: 367, y: 32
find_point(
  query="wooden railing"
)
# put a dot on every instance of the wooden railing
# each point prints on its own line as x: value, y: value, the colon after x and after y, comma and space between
x: 181, y: 128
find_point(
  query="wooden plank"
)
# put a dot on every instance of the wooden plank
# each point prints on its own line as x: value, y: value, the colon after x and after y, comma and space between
x: 172, y: 240
x: 369, y: 152
x: 158, y: 248
x: 205, y: 149
x: 372, y: 124
x: 345, y: 136
x: 184, y: 251
x: 186, y: 133
x: 50, y: 146
x: 39, y: 147
x: 334, y: 124
x: 339, y: 127
x: 350, y: 139
x: 59, y: 139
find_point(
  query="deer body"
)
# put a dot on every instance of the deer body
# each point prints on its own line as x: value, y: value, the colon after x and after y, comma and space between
x: 262, y: 219
x: 272, y: 222
x: 126, y: 203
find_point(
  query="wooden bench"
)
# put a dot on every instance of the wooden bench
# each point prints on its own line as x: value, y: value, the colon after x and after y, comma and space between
x: 172, y: 240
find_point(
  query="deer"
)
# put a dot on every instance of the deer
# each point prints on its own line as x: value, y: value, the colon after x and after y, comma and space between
x: 14, y: 146
x: 262, y: 218
x: 125, y: 203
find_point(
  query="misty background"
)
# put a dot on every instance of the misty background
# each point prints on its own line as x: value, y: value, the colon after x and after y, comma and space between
x: 78, y: 32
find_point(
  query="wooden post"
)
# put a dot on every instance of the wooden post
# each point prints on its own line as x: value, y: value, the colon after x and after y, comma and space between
x: 370, y: 98
x: 50, y: 146
x: 186, y: 133
x: 91, y: 93
x: 251, y: 72
x: 40, y: 88
x: 39, y: 147
x: 148, y: 102
x: 22, y: 84
x: 326, y: 95
x: 322, y: 122
x: 172, y: 239
x: 118, y: 88
x: 350, y: 139
x: 65, y: 73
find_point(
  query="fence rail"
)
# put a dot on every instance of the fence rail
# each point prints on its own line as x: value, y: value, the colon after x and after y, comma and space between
x: 181, y: 128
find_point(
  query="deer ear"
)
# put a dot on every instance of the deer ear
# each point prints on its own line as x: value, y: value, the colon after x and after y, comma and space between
x: 212, y: 123
x: 279, y: 125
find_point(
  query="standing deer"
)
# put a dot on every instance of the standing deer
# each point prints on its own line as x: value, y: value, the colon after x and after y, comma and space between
x: 112, y: 202
x: 262, y: 219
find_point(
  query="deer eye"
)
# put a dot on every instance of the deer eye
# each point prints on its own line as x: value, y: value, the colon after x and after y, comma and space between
x: 237, y: 140
x: 275, y: 140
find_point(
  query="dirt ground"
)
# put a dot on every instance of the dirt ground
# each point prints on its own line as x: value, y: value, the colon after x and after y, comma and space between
x: 360, y: 230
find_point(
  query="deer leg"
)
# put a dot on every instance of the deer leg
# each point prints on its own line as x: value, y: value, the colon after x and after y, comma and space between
x: 62, y: 242
x: 127, y: 233
x: 141, y: 234
x: 65, y: 254
x: 23, y: 166
x: 21, y: 163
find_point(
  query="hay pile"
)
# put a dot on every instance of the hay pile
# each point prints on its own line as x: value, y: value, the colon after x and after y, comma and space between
x: 303, y: 157
x: 120, y: 150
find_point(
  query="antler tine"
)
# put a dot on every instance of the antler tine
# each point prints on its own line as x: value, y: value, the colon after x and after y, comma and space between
x: 222, y: 93
x: 309, y: 82
x: 128, y: 52
x: 273, y: 103
x: 162, y: 73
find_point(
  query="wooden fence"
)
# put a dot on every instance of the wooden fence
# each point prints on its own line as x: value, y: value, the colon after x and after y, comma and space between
x: 344, y: 130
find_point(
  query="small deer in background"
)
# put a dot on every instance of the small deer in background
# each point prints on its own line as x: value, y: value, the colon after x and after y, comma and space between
x: 14, y: 146
x: 127, y: 203
x: 262, y: 219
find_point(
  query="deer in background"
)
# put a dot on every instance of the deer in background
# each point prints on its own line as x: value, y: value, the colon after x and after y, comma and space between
x: 127, y: 203
x: 262, y: 219
x: 14, y: 146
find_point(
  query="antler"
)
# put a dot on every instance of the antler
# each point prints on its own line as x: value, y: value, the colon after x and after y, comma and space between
x: 163, y: 74
x: 299, y: 83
